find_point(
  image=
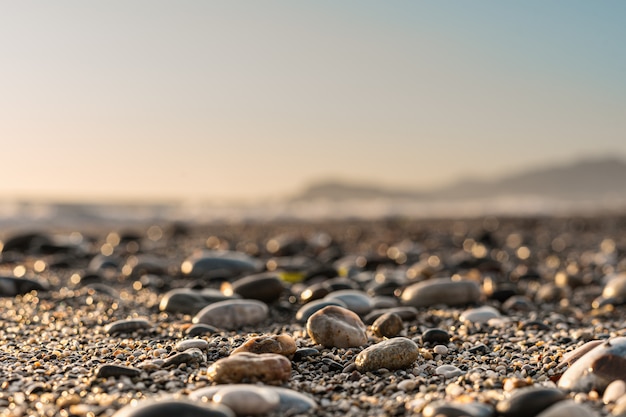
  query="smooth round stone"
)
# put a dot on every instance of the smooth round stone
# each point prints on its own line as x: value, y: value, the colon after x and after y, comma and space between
x: 219, y: 264
x: 290, y: 401
x: 406, y: 314
x: 233, y: 314
x: 396, y: 353
x: 436, y: 336
x: 183, y: 345
x: 567, y: 408
x: 127, y: 326
x: 388, y: 325
x: 105, y: 371
x: 12, y: 286
x: 25, y: 242
x: 597, y: 368
x: 441, y: 291
x: 448, y: 371
x: 355, y: 300
x: 200, y: 329
x: 452, y: 409
x: 440, y: 349
x: 263, y: 287
x: 381, y: 302
x: 172, y: 407
x: 281, y: 344
x: 614, y: 391
x: 615, y: 288
x: 269, y: 368
x: 313, y: 307
x: 248, y: 400
x: 188, y: 301
x: 314, y: 292
x: 335, y: 326
x: 529, y: 401
x: 479, y: 315
x: 571, y: 357
x: 302, y: 353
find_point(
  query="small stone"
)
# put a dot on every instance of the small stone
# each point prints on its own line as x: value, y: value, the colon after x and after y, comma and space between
x: 313, y: 307
x: 614, y: 391
x: 388, y: 325
x: 355, y: 300
x: 436, y: 336
x: 396, y: 353
x: 269, y: 368
x: 200, y: 329
x: 407, y: 385
x: 567, y: 408
x: 441, y: 291
x: 479, y: 315
x: 105, y: 371
x: 282, y: 344
x: 233, y: 314
x: 267, y: 287
x: 528, y: 401
x: 406, y: 313
x: 12, y: 286
x: 183, y: 345
x: 248, y: 400
x: 440, y: 349
x: 219, y: 265
x: 335, y: 326
x: 189, y: 356
x: 448, y: 371
x: 451, y: 409
x: 188, y: 301
x: 171, y: 407
x: 127, y: 326
x: 302, y: 353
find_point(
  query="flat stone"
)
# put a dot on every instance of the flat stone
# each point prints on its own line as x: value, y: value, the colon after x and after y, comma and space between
x: 441, y: 291
x: 597, y: 368
x: 127, y: 326
x: 281, y: 344
x: 188, y: 301
x: 436, y: 336
x: 406, y: 313
x: 105, y: 371
x: 12, y: 286
x: 388, y: 325
x: 448, y: 371
x: 183, y: 345
x: 233, y: 314
x: 335, y: 326
x: 200, y: 329
x: 567, y: 408
x: 247, y: 400
x: 452, y: 409
x: 528, y: 401
x: 189, y: 356
x: 173, y: 407
x: 268, y: 368
x: 267, y: 287
x: 396, y: 353
x: 355, y: 300
x: 479, y: 315
x: 309, y: 309
x: 219, y: 265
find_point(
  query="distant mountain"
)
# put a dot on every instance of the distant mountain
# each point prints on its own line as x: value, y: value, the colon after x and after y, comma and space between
x: 581, y: 180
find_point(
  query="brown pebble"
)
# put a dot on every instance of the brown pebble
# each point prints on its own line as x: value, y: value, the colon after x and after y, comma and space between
x: 282, y: 344
x: 268, y: 368
x: 388, y: 325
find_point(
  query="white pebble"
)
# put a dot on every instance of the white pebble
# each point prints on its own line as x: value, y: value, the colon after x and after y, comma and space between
x: 406, y: 385
x: 440, y: 349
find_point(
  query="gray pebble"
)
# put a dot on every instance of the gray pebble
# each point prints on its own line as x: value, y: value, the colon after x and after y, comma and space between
x: 441, y: 291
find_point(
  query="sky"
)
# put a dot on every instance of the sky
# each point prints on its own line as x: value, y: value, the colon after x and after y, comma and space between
x: 222, y: 100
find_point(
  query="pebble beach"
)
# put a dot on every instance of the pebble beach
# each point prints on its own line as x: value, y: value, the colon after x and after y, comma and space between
x: 488, y: 316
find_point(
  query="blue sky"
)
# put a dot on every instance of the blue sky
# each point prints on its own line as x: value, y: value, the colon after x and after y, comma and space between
x: 214, y: 100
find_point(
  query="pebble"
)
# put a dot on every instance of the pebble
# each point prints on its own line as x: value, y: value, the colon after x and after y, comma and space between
x: 189, y: 356
x: 105, y: 371
x: 173, y: 407
x: 200, y: 329
x: 528, y: 401
x: 12, y: 286
x: 248, y: 400
x: 127, y: 326
x: 448, y: 371
x: 281, y: 344
x: 441, y: 291
x: 614, y: 391
x: 436, y: 336
x: 335, y: 326
x: 452, y: 409
x: 268, y: 368
x: 219, y: 265
x: 479, y: 315
x: 302, y: 353
x: 355, y: 300
x: 183, y: 345
x: 188, y: 301
x: 388, y: 325
x: 440, y: 349
x: 406, y: 313
x: 233, y: 314
x: 595, y: 369
x: 267, y: 287
x: 567, y: 408
x: 396, y: 353
x: 313, y: 307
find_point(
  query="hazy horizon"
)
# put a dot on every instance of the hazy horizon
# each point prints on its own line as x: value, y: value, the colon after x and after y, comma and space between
x: 152, y: 100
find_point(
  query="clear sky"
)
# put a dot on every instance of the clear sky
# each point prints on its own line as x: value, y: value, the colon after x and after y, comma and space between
x: 226, y: 99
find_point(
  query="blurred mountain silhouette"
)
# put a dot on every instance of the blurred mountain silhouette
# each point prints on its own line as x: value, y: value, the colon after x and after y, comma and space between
x: 598, y: 178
